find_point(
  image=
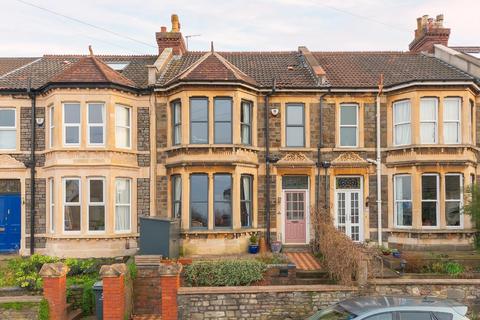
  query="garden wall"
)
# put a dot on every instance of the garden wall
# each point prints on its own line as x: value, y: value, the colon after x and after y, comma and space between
x: 258, y: 302
x: 17, y: 311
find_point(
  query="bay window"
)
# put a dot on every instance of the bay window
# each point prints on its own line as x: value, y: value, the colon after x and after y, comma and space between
x: 348, y: 125
x: 199, y: 201
x: 246, y: 187
x: 403, y: 200
x: 96, y: 123
x: 96, y: 204
x: 122, y: 204
x: 176, y: 196
x: 222, y: 120
x: 453, y: 199
x: 72, y: 204
x: 51, y: 190
x: 176, y: 122
x: 451, y: 120
x: 199, y: 120
x: 428, y: 120
x: 295, y: 125
x: 402, y: 123
x: 222, y: 205
x: 51, y: 121
x: 8, y: 129
x: 430, y: 199
x: 71, y: 124
x: 246, y: 123
x: 123, y: 122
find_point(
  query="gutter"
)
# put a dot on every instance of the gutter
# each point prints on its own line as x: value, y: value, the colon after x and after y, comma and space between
x: 267, y: 159
x: 32, y: 94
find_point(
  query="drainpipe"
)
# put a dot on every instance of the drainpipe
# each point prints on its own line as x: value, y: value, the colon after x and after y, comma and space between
x: 32, y: 95
x: 319, y: 154
x: 267, y: 160
x: 379, y: 165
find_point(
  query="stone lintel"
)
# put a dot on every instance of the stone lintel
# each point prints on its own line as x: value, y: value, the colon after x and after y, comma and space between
x: 53, y: 270
x: 113, y: 270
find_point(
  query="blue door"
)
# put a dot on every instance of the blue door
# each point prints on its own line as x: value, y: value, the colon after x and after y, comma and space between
x: 9, y: 222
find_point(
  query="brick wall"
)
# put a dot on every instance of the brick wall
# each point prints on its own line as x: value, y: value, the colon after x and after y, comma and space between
x: 26, y: 129
x: 274, y: 125
x: 161, y: 110
x: 143, y: 198
x: 40, y: 213
x: 162, y: 185
x: 147, y: 290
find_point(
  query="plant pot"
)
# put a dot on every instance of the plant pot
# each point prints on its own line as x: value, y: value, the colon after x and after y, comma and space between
x: 386, y: 253
x: 253, y: 248
x: 276, y: 246
x: 396, y: 254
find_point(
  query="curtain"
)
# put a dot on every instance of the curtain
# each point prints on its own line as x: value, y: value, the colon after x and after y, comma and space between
x: 401, y: 120
x: 177, y: 196
x: 246, y: 201
x: 428, y: 119
x: 122, y: 207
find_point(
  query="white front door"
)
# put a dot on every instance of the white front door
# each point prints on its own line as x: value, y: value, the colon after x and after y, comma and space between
x: 349, y: 207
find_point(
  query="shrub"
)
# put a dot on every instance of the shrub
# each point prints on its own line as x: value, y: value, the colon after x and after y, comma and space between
x: 274, y: 258
x: 221, y: 273
x: 43, y: 310
x: 25, y: 270
x: 451, y: 268
x: 472, y: 208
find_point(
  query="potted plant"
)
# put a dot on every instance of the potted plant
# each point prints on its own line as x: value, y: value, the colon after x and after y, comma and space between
x: 396, y: 253
x: 276, y: 246
x: 385, y: 251
x: 253, y: 245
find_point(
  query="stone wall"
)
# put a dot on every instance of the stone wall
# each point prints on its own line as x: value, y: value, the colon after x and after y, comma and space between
x: 10, y: 186
x: 161, y: 111
x: 143, y: 198
x: 143, y: 129
x: 27, y: 310
x: 261, y: 201
x: 162, y: 196
x: 40, y: 211
x: 276, y: 302
x: 328, y: 125
x: 274, y: 124
x: 26, y: 129
x: 372, y: 202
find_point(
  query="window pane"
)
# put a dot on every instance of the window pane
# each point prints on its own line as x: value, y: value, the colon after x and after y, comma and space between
x: 295, y: 137
x: 71, y: 113
x: 451, y: 110
x: 403, y: 188
x: 199, y: 133
x: 96, y: 218
x: 223, y: 109
x: 223, y: 214
x: 8, y: 139
x: 223, y: 132
x: 443, y: 316
x: 176, y: 196
x: 404, y: 213
x: 452, y: 213
x: 222, y: 187
x: 72, y: 134
x: 427, y: 132
x: 401, y: 112
x: 72, y: 218
x: 246, y: 137
x: 348, y: 115
x: 72, y: 190
x: 245, y: 201
x: 123, y: 137
x: 199, y: 215
x: 177, y: 115
x: 7, y: 118
x: 198, y: 110
x: 402, y: 134
x: 348, y: 137
x: 122, y: 116
x: 295, y: 115
x: 122, y: 194
x: 177, y: 131
x: 245, y: 117
x: 429, y: 187
x: 382, y: 316
x: 199, y: 187
x: 95, y: 113
x: 429, y: 213
x: 96, y: 190
x: 122, y: 218
x: 428, y: 110
x: 412, y: 315
x: 452, y: 187
x: 96, y: 134
x: 451, y: 132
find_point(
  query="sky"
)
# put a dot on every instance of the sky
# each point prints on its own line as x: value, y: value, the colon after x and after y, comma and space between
x: 128, y: 27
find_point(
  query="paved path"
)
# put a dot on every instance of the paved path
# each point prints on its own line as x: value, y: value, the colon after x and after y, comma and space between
x: 304, y: 260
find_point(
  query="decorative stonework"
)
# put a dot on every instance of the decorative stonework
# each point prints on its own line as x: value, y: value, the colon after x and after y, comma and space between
x: 170, y: 269
x: 9, y: 162
x: 295, y: 158
x: 53, y: 270
x: 349, y: 159
x: 114, y: 270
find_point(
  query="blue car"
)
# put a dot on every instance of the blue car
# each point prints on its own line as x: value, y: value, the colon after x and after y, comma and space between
x: 393, y: 308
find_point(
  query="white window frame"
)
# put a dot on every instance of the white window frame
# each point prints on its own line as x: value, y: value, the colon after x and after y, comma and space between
x: 65, y: 125
x: 129, y: 127
x: 73, y: 204
x: 395, y: 200
x: 429, y: 121
x: 455, y: 200
x: 348, y: 125
x: 14, y: 128
x: 51, y: 185
x: 96, y: 125
x: 97, y: 204
x: 123, y: 205
x: 459, y: 121
x: 51, y: 124
x: 404, y: 123
x: 437, y: 201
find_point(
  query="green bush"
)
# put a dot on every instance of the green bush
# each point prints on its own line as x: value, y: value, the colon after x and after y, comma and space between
x: 25, y: 270
x: 451, y: 268
x: 221, y: 273
x: 43, y: 311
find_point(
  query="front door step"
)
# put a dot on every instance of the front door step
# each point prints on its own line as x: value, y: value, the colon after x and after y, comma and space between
x: 296, y: 248
x: 304, y: 260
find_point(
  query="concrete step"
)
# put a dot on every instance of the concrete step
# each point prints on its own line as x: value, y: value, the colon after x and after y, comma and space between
x: 74, y: 315
x: 311, y: 274
x: 296, y: 248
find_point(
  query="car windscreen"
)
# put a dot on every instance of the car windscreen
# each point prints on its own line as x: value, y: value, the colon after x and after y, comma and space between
x: 333, y: 313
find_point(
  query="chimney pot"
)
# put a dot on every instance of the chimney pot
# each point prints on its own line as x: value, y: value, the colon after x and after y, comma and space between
x: 175, y: 23
x: 430, y: 31
x: 163, y: 29
x: 173, y: 39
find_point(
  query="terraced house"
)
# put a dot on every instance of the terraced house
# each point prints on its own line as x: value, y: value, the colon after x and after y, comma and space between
x: 236, y: 143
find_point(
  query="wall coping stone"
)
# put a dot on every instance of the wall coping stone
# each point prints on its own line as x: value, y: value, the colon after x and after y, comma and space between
x: 53, y: 270
x: 264, y: 289
x: 169, y: 269
x: 424, y: 281
x: 113, y: 270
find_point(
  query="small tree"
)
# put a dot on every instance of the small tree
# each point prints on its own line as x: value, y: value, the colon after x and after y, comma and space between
x: 472, y: 208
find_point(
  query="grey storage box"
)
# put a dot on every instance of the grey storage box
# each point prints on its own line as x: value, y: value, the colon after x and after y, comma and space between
x: 160, y: 236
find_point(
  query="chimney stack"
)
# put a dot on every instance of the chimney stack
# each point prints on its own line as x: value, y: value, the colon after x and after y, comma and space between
x: 171, y: 39
x: 429, y: 32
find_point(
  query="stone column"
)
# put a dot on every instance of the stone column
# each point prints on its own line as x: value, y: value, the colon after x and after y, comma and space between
x: 169, y: 282
x: 55, y: 289
x: 113, y: 277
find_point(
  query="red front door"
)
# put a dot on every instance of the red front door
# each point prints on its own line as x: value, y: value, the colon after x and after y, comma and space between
x: 295, y: 216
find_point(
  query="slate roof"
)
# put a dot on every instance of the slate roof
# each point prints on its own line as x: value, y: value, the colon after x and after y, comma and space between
x: 10, y: 64
x: 362, y: 69
x: 50, y: 66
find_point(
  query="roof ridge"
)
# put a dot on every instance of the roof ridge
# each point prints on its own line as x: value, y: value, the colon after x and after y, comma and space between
x: 73, y: 55
x: 233, y: 68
